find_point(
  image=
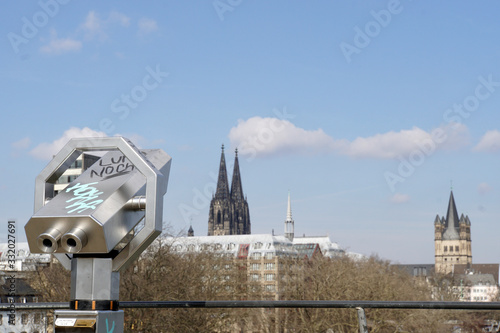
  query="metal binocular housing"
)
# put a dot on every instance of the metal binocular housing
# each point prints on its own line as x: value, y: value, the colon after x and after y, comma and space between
x: 98, y: 213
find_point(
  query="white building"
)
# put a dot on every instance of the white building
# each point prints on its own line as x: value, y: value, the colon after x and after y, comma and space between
x: 82, y: 163
x: 476, y: 287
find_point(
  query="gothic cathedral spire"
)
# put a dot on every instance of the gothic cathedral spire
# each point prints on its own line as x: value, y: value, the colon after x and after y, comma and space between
x: 229, y: 213
x: 222, y: 191
x: 236, y: 188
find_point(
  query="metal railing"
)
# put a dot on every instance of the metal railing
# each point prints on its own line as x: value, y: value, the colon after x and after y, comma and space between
x: 358, y: 305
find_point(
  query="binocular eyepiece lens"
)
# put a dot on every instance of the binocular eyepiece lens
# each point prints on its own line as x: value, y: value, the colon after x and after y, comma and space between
x: 47, y: 242
x: 71, y: 242
x: 74, y: 240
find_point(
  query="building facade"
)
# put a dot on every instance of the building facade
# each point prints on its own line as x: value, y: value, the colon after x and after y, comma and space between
x: 229, y: 214
x: 82, y: 163
x: 452, y: 240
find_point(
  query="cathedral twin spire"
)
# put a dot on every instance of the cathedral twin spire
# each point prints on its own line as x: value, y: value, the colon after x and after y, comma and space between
x: 222, y: 191
x: 229, y: 214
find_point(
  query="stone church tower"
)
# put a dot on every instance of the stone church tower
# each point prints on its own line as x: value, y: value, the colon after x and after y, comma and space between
x: 229, y: 214
x: 452, y: 240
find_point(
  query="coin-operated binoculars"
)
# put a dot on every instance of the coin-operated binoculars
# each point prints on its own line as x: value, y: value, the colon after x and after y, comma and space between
x: 97, y: 225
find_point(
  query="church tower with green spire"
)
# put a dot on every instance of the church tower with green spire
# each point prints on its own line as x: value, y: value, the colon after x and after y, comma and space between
x: 229, y: 214
x: 452, y: 240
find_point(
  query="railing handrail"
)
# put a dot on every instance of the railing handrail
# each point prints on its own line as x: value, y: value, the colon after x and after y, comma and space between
x: 272, y: 304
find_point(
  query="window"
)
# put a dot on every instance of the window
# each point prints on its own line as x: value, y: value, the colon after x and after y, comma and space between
x: 71, y: 178
x: 35, y: 299
x: 77, y: 164
x: 256, y: 255
x: 1, y: 319
x: 446, y: 249
x: 22, y: 300
x: 257, y: 245
x: 457, y: 249
x: 254, y: 277
x: 24, y: 319
x: 255, y: 267
x: 269, y: 266
x: 270, y: 288
x: 269, y: 255
x: 37, y: 318
x: 269, y: 277
x: 451, y: 248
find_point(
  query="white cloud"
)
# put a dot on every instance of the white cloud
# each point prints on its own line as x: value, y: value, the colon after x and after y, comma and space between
x: 24, y: 143
x: 266, y: 136
x: 46, y: 151
x: 259, y: 136
x: 93, y: 26
x: 400, y: 198
x: 146, y: 26
x: 96, y: 27
x: 483, y: 188
x: 393, y: 144
x: 60, y: 45
x: 490, y: 142
x: 387, y: 145
x: 120, y: 18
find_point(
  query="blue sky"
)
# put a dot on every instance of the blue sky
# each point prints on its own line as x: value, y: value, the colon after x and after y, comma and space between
x: 364, y: 110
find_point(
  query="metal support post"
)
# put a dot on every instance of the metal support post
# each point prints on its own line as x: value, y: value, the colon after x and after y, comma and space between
x: 94, y: 298
x: 363, y: 326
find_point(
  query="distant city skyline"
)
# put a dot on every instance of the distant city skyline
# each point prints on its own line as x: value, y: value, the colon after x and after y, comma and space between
x: 365, y: 111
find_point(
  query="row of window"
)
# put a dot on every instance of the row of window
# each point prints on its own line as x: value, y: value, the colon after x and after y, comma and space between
x: 66, y: 179
x: 258, y: 255
x: 446, y: 259
x: 271, y: 288
x: 217, y: 246
x: 268, y: 266
x: 479, y: 290
x: 419, y: 271
x: 267, y: 277
x: 457, y: 249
